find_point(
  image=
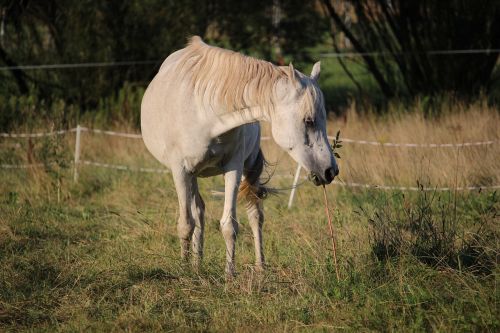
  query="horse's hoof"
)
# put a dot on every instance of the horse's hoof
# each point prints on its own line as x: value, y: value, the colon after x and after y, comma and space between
x: 230, y: 274
x: 196, y: 263
x: 260, y: 268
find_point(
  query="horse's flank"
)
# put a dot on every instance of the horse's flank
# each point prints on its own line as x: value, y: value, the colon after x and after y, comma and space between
x: 228, y: 81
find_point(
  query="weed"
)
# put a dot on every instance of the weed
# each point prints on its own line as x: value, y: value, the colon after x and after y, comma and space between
x: 433, y: 228
x: 55, y: 158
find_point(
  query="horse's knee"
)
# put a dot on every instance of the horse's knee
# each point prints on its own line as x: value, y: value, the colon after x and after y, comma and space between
x: 255, y: 215
x: 196, y: 208
x: 229, y: 227
x: 201, y: 203
x: 260, y: 217
x: 199, y: 210
x: 185, y: 228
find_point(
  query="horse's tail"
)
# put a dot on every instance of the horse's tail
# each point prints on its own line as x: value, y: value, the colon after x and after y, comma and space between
x: 251, y: 187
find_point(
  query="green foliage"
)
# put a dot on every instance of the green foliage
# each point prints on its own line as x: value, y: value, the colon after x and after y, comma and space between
x: 54, y: 31
x: 61, y: 32
x: 79, y: 32
x: 54, y: 156
x: 25, y: 113
x: 408, y: 33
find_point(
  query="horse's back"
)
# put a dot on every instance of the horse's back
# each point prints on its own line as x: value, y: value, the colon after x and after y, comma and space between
x: 171, y: 61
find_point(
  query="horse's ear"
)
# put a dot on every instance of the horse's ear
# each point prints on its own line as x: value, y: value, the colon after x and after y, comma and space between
x: 292, y: 71
x: 316, y: 71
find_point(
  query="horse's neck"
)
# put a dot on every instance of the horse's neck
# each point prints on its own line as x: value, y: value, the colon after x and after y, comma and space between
x: 230, y: 120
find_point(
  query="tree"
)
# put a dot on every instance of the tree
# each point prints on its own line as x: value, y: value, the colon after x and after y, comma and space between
x: 74, y: 31
x: 414, y: 37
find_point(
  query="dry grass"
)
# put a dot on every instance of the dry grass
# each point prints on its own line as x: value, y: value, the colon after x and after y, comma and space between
x: 404, y: 166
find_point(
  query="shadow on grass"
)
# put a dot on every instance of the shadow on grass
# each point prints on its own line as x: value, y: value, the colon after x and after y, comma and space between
x: 150, y: 274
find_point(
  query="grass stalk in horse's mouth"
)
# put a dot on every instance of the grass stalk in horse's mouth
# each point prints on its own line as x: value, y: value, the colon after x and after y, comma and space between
x: 330, y: 226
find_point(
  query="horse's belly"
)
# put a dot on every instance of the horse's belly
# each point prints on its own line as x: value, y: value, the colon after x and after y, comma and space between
x: 210, y: 171
x: 217, y: 156
x: 211, y: 164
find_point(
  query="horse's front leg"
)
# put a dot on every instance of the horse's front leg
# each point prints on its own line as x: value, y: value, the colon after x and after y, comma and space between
x: 187, y: 190
x: 228, y: 223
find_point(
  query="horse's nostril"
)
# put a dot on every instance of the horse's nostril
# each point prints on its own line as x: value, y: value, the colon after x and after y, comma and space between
x: 330, y: 173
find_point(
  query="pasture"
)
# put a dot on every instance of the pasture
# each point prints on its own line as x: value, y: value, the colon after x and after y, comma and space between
x: 103, y: 254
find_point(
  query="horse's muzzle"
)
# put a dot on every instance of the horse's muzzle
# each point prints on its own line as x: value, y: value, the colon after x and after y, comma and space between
x: 330, y: 174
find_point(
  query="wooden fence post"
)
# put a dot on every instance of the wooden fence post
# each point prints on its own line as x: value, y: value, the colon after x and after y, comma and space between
x: 294, y: 187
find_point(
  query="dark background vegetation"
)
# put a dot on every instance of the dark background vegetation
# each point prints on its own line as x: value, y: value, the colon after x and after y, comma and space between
x: 62, y: 32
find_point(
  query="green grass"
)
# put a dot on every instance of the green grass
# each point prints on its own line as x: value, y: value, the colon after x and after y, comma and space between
x: 103, y: 255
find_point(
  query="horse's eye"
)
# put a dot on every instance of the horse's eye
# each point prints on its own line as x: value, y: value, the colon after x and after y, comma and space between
x: 309, y: 122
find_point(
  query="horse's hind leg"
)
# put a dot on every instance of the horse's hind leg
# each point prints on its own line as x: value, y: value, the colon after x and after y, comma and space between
x: 255, y: 214
x: 187, y: 189
x: 198, y: 212
x: 228, y: 223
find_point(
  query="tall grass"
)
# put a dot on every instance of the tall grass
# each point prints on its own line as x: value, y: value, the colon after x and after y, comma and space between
x: 437, y: 231
x: 404, y: 166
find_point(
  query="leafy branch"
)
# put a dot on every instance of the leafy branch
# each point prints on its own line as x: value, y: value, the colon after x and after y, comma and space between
x: 336, y: 144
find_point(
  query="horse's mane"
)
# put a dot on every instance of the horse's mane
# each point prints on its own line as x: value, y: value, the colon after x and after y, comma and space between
x: 227, y: 80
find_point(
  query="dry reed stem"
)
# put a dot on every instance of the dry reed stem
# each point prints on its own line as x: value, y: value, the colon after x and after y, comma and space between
x: 330, y: 226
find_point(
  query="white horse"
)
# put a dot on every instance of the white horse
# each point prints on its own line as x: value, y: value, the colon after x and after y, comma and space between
x: 199, y: 117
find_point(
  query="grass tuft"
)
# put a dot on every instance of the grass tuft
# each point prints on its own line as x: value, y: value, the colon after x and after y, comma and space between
x: 443, y: 231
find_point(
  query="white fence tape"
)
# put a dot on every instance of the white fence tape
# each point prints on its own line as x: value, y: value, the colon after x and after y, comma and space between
x: 21, y: 166
x: 112, y: 133
x: 343, y: 184
x: 35, y: 135
x: 123, y: 167
x: 296, y: 177
x: 16, y: 145
x: 416, y: 145
x: 80, y: 65
x: 264, y: 138
x: 385, y: 54
x: 410, y: 145
x: 158, y: 61
x: 411, y: 188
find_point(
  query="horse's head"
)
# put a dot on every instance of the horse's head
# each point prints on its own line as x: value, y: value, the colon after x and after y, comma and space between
x: 299, y: 125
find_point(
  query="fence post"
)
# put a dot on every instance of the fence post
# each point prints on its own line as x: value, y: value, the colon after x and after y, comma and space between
x: 77, y: 153
x: 294, y: 187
